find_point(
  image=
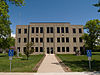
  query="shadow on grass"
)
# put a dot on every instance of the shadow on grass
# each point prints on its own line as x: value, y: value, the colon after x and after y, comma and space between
x: 3, y: 55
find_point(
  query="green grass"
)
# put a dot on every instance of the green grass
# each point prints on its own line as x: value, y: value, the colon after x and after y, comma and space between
x: 19, y: 64
x: 80, y: 63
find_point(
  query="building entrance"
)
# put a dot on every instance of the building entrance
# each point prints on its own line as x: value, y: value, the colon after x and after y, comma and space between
x: 50, y: 50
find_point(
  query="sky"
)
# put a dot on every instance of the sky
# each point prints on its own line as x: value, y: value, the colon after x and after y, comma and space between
x: 77, y: 12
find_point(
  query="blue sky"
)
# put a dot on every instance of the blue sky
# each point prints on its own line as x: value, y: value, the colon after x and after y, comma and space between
x: 77, y: 12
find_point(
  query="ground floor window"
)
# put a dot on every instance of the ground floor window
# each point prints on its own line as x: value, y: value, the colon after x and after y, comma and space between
x: 67, y: 49
x: 58, y: 49
x: 24, y: 49
x: 75, y: 49
x: 36, y: 49
x: 63, y: 49
x: 41, y: 49
x: 18, y: 48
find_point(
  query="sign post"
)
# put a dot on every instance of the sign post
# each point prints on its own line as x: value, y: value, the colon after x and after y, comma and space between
x: 10, y: 53
x: 89, y: 54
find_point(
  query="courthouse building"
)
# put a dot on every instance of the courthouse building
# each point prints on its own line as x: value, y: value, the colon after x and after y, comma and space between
x: 50, y: 38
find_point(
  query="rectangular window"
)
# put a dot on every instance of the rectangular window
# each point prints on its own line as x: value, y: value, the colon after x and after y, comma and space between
x: 51, y: 29
x: 41, y: 40
x: 32, y: 29
x: 63, y: 49
x: 58, y: 29
x: 47, y: 39
x: 25, y: 31
x: 67, y: 49
x: 67, y: 30
x: 74, y: 39
x: 37, y: 30
x: 58, y: 39
x: 74, y: 30
x: 80, y: 30
x: 47, y: 29
x: 32, y: 48
x: 41, y: 29
x: 36, y: 40
x: 80, y: 40
x: 63, y: 40
x: 24, y: 49
x: 32, y: 39
x: 51, y: 40
x: 67, y: 39
x: 58, y: 49
x: 18, y: 48
x: 62, y: 29
x: 25, y: 40
x: 75, y: 49
x: 19, y: 31
x: 41, y: 49
x: 36, y: 49
x: 19, y: 40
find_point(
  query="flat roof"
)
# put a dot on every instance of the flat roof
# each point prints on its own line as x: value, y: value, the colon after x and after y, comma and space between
x: 49, y: 22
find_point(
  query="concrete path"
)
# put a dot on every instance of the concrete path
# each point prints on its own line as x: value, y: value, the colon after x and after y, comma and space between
x: 50, y: 64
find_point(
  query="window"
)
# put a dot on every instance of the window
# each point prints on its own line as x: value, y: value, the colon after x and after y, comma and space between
x: 47, y: 39
x: 19, y: 31
x: 41, y: 29
x: 25, y: 40
x: 32, y: 39
x: 32, y: 29
x: 67, y: 49
x: 51, y: 29
x: 74, y: 39
x: 19, y: 40
x: 63, y: 40
x: 51, y: 39
x: 75, y: 49
x: 80, y: 40
x: 58, y: 49
x: 58, y: 39
x: 36, y: 40
x: 41, y: 49
x: 18, y: 48
x: 25, y: 31
x: 58, y: 29
x: 47, y: 29
x: 74, y: 30
x: 63, y: 49
x: 24, y: 49
x: 80, y: 30
x: 62, y: 29
x: 67, y: 31
x: 32, y: 48
x: 67, y: 39
x: 36, y: 49
x: 37, y: 30
x: 41, y: 40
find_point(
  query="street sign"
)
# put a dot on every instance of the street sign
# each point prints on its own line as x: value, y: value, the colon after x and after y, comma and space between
x: 89, y: 54
x: 11, y: 53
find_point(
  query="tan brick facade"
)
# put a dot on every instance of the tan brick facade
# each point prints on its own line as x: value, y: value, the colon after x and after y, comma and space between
x: 57, y: 38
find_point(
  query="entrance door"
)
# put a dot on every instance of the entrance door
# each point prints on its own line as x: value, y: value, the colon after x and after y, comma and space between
x: 51, y: 50
x: 48, y: 50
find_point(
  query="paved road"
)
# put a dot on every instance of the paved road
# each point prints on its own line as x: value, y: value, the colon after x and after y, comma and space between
x: 50, y: 64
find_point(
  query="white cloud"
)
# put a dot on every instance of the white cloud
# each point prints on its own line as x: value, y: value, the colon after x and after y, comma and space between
x: 12, y: 35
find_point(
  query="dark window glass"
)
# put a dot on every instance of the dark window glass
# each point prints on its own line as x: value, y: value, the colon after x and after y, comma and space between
x: 36, y: 40
x: 74, y: 39
x: 19, y: 40
x: 74, y: 30
x: 51, y: 29
x: 81, y: 50
x: 58, y: 49
x: 63, y: 49
x: 67, y: 49
x: 74, y: 49
x: 58, y: 39
x: 36, y: 49
x: 32, y: 29
x: 25, y: 31
x: 80, y: 30
x: 41, y: 29
x: 80, y: 39
x: 41, y: 40
x: 47, y: 29
x: 32, y: 39
x: 62, y: 29
x: 19, y: 31
x: 67, y: 39
x: 25, y: 40
x: 18, y: 48
x: 41, y: 49
x: 63, y: 40
x: 58, y: 29
x: 67, y: 31
x: 37, y: 30
x: 51, y: 39
x: 24, y: 49
x: 47, y: 39
x: 32, y: 49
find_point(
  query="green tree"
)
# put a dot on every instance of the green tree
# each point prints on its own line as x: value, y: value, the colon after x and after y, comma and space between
x: 97, y: 5
x: 93, y: 31
x: 28, y: 50
x: 5, y: 30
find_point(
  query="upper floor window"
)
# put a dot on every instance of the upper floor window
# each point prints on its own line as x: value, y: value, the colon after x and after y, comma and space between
x: 67, y: 39
x: 58, y: 39
x: 32, y: 29
x: 25, y: 31
x: 74, y: 39
x: 51, y: 29
x: 74, y: 30
x: 19, y: 40
x: 80, y: 30
x: 80, y: 39
x: 63, y: 40
x: 25, y: 40
x: 47, y: 39
x: 19, y: 31
x: 37, y: 30
x: 36, y: 40
x: 47, y: 29
x: 32, y: 39
x: 62, y: 29
x: 41, y: 29
x: 41, y: 40
x: 58, y: 29
x: 67, y: 30
x: 51, y: 39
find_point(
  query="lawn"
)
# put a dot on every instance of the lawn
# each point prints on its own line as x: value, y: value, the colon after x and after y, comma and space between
x: 19, y: 64
x: 80, y: 63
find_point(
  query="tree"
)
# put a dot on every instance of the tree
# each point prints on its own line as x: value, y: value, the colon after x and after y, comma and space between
x: 97, y: 5
x: 28, y: 50
x: 93, y: 31
x: 5, y: 30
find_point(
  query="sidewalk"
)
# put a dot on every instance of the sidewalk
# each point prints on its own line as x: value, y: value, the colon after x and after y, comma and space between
x: 50, y: 64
